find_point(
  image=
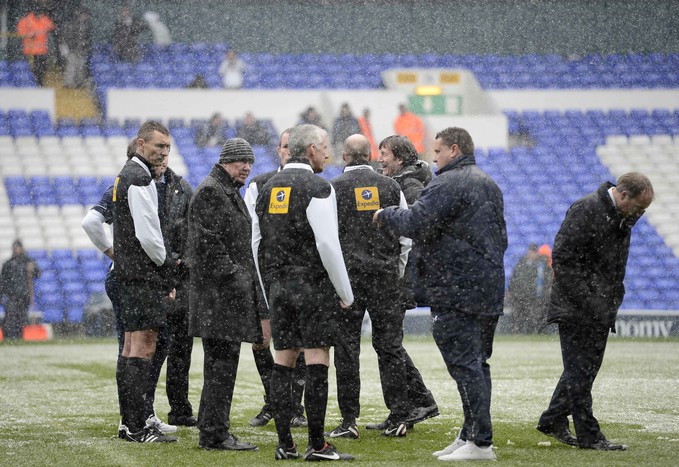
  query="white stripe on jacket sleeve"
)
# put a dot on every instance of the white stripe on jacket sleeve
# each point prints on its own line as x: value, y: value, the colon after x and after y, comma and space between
x: 93, y: 225
x: 322, y: 217
x: 143, y: 202
x: 406, y: 243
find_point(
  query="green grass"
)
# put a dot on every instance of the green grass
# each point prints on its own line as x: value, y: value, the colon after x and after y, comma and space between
x: 58, y: 406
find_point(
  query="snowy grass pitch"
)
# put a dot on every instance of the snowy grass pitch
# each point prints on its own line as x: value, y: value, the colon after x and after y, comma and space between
x: 58, y: 407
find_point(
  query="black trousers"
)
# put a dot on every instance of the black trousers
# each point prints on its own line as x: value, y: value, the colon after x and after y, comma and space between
x: 179, y: 355
x: 162, y: 343
x: 582, y: 352
x: 380, y: 296
x: 219, y: 379
x: 466, y: 344
x: 16, y: 317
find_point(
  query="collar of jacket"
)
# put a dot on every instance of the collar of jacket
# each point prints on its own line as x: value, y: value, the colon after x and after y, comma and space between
x: 173, y: 179
x: 358, y: 166
x: 459, y: 161
x: 298, y: 164
x: 144, y: 163
x: 224, y: 178
x: 602, y: 193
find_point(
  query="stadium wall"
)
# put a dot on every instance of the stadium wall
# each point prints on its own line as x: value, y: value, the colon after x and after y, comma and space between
x: 283, y: 107
x: 511, y: 27
x: 28, y: 99
x: 630, y: 323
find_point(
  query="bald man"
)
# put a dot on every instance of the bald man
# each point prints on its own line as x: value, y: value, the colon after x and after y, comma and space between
x: 375, y: 259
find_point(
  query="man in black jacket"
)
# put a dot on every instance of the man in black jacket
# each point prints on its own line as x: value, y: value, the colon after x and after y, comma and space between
x: 400, y: 161
x: 459, y: 224
x: 296, y: 243
x: 142, y: 267
x: 589, y: 260
x: 223, y: 296
x: 16, y: 283
x: 375, y: 259
x: 174, y: 194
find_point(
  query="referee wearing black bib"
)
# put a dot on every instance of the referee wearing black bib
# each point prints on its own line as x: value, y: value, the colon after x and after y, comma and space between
x: 376, y: 259
x: 296, y: 243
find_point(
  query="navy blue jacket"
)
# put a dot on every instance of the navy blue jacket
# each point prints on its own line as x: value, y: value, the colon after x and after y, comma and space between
x: 459, y: 227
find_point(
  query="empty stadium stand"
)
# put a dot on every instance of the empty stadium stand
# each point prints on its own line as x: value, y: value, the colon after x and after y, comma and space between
x: 53, y: 172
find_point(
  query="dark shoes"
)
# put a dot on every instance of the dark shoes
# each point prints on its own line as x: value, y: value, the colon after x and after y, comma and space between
x: 328, y: 453
x: 282, y: 453
x: 385, y: 424
x: 395, y: 429
x: 419, y: 414
x: 605, y: 445
x: 231, y: 443
x: 346, y: 429
x: 416, y: 415
x: 182, y: 420
x: 298, y: 421
x: 262, y: 418
x: 149, y: 434
x: 560, y: 433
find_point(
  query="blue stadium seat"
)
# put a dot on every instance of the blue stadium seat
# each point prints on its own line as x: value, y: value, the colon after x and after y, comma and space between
x: 52, y: 313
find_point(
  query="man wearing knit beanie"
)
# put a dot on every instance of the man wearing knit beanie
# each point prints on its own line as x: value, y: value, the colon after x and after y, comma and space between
x: 224, y: 299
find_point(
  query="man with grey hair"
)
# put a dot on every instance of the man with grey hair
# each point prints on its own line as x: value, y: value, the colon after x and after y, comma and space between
x: 260, y: 350
x: 296, y: 243
x: 589, y: 261
x: 376, y: 259
x: 224, y: 298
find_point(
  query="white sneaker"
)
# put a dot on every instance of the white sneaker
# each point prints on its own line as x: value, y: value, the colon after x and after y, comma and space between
x: 471, y: 452
x: 451, y: 448
x: 156, y: 422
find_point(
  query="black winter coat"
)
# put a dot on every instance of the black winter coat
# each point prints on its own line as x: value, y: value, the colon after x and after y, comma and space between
x: 174, y: 222
x: 412, y: 179
x: 223, y: 295
x: 459, y: 229
x: 589, y: 260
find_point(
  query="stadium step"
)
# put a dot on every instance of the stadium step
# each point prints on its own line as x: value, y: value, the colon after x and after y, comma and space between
x: 71, y: 103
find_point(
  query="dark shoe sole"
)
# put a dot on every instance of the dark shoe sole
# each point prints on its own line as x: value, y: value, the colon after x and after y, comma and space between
x: 221, y: 447
x: 432, y: 414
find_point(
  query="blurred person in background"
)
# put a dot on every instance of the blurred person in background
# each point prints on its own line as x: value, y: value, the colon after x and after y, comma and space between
x: 126, y: 31
x: 344, y: 126
x: 528, y: 292
x: 311, y: 117
x: 231, y: 70
x: 159, y: 30
x: 411, y: 126
x: 252, y: 131
x: 34, y: 29
x: 213, y: 133
x: 367, y: 131
x: 77, y: 48
x: 16, y: 286
x: 590, y: 258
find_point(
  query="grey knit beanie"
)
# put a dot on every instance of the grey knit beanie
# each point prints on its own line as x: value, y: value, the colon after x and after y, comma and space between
x: 236, y: 150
